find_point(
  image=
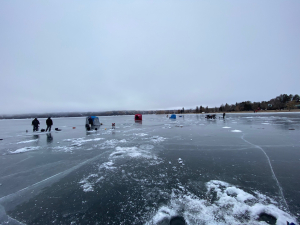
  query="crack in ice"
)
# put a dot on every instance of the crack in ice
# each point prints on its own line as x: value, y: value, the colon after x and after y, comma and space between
x: 273, y: 173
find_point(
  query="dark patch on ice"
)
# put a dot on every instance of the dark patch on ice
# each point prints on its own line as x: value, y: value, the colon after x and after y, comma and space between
x: 267, y: 218
x: 177, y: 220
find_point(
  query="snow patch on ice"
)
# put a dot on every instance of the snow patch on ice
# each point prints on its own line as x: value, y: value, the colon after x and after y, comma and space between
x: 80, y: 141
x: 109, y: 144
x: 140, y: 134
x: 26, y: 149
x: 222, y: 204
x: 63, y: 149
x: 157, y: 139
x: 107, y: 165
x: 146, y: 147
x: 180, y: 161
x: 110, y: 168
x: 236, y: 131
x: 133, y: 152
x: 29, y: 141
x: 226, y: 127
x: 87, y: 186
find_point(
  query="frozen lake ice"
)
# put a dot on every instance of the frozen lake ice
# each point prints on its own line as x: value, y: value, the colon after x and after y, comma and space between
x: 241, y: 170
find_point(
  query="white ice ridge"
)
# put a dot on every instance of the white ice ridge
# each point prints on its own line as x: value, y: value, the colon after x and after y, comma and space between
x: 26, y: 149
x: 236, y: 131
x: 273, y: 173
x: 22, y: 142
x: 222, y: 204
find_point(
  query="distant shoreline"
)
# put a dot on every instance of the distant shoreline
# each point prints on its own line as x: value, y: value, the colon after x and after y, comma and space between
x: 146, y: 113
x: 258, y: 112
x: 266, y: 111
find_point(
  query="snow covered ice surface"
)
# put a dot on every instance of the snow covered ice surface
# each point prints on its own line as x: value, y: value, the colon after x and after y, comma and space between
x: 241, y: 170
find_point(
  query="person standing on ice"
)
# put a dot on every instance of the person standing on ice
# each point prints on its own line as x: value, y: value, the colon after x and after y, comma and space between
x: 91, y: 122
x: 49, y: 123
x: 223, y: 115
x: 35, y: 123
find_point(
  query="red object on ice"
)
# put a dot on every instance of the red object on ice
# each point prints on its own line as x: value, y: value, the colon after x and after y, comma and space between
x: 138, y: 117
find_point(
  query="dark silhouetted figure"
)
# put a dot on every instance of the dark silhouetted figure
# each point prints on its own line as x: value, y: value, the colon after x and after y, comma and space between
x: 223, y: 115
x: 213, y: 116
x: 49, y: 123
x: 91, y: 122
x: 35, y: 123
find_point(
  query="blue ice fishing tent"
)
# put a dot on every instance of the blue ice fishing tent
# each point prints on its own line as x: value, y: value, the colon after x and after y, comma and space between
x: 173, y: 116
x: 95, y: 119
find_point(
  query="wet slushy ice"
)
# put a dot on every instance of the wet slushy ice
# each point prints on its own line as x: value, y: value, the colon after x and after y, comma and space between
x: 241, y: 170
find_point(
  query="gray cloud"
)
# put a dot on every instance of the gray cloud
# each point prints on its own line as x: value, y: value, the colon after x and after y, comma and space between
x: 79, y: 56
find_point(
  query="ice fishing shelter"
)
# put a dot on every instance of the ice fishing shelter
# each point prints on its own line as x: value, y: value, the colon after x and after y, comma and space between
x: 138, y: 117
x: 173, y: 116
x: 96, y: 122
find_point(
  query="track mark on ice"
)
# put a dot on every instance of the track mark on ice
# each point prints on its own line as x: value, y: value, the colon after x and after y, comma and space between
x: 59, y: 175
x: 273, y: 173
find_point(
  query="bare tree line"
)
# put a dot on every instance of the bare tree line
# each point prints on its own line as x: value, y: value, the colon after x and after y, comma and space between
x: 281, y: 102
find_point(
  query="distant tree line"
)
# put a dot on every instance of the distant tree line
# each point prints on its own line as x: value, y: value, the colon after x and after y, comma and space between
x: 76, y: 114
x: 281, y: 102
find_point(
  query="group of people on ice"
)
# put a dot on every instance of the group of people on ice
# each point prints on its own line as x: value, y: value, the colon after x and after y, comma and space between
x: 35, y: 123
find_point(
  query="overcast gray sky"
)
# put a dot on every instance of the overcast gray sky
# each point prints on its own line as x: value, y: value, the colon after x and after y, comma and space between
x: 140, y: 54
